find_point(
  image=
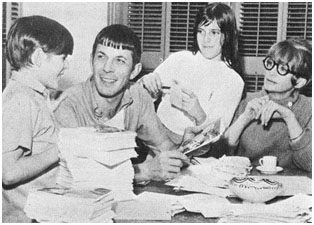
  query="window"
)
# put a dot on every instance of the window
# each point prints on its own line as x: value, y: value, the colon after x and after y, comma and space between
x: 166, y: 27
x: 10, y: 12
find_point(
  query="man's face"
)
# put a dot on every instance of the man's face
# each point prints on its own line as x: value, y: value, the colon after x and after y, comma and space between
x: 112, y: 69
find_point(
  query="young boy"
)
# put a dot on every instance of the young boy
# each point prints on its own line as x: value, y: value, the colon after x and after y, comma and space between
x: 37, y: 49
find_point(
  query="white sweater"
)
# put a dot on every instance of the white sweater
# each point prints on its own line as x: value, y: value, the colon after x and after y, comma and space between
x: 218, y: 88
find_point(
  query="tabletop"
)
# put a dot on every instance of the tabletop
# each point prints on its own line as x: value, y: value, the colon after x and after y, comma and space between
x: 190, y: 217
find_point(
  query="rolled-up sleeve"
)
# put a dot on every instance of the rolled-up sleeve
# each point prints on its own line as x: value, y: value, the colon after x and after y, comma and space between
x: 149, y: 127
x: 17, y: 129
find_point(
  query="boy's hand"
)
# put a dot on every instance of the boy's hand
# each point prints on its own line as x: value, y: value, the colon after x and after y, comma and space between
x: 152, y: 83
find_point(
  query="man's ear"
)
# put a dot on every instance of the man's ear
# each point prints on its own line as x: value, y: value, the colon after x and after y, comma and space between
x: 91, y: 62
x: 136, y: 71
x: 300, y: 83
x: 37, y: 57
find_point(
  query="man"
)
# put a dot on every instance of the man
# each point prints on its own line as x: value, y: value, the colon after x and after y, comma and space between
x: 109, y: 98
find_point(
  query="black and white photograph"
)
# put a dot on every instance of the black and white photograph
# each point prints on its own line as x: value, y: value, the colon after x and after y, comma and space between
x: 157, y: 112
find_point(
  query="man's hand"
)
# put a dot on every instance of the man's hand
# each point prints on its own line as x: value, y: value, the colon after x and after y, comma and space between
x: 168, y: 165
x: 162, y: 167
x: 152, y: 83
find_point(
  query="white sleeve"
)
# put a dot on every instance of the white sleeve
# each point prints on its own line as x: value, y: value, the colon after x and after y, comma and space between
x: 224, y: 101
x: 168, y: 70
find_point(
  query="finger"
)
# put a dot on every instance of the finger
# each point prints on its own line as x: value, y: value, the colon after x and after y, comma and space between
x: 269, y: 113
x: 264, y: 111
x: 178, y: 155
x: 188, y: 93
x: 158, y: 82
x: 175, y: 163
x: 193, y: 130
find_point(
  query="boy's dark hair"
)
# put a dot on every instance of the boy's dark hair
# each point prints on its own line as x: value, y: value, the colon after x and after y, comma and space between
x: 119, y: 36
x: 297, y: 53
x: 226, y: 21
x: 28, y: 33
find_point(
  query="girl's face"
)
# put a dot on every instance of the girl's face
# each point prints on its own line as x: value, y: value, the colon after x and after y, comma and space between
x: 210, y: 39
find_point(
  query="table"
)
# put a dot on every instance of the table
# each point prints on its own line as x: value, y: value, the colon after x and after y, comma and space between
x: 190, y: 217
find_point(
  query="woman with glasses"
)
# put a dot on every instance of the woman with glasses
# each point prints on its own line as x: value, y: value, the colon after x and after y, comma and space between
x: 278, y: 120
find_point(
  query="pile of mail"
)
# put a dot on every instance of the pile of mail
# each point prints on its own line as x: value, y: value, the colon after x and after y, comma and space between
x: 69, y: 205
x: 91, y: 159
x: 296, y: 209
x: 211, y: 175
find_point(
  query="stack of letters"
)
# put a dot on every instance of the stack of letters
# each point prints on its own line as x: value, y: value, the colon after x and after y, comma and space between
x: 91, y: 159
x: 69, y: 205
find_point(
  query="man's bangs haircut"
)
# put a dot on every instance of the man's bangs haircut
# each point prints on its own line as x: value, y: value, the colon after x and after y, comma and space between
x: 226, y: 21
x: 29, y: 33
x: 119, y: 37
x: 296, y: 55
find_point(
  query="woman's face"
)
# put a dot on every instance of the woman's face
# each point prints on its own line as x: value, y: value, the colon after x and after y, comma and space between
x: 276, y: 83
x: 210, y: 39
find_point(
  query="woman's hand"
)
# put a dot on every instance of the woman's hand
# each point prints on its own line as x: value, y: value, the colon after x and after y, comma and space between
x: 152, y: 83
x: 254, y: 108
x: 192, y: 107
x: 273, y: 110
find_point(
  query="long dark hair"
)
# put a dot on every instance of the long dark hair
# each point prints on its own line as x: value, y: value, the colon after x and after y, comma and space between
x: 226, y: 20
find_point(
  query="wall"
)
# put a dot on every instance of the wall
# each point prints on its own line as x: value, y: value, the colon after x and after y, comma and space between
x: 84, y: 21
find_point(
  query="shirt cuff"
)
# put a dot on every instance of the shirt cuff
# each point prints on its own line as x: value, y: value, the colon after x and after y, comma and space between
x: 302, y: 142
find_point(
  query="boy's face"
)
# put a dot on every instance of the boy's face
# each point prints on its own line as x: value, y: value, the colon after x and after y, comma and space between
x: 112, y: 69
x: 53, y: 67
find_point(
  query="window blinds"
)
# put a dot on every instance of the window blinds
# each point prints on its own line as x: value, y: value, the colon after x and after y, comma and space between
x: 182, y: 23
x: 299, y: 22
x: 258, y: 27
x: 145, y: 18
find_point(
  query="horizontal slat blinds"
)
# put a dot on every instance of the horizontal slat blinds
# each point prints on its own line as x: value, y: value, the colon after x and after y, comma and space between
x: 299, y: 22
x: 253, y: 83
x: 145, y: 18
x: 182, y: 23
x: 258, y: 27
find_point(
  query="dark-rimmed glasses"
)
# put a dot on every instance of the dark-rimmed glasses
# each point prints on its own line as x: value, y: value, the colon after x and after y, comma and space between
x: 282, y: 69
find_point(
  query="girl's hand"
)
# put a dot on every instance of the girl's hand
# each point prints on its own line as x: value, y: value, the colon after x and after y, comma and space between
x: 192, y: 107
x: 253, y: 109
x: 274, y: 110
x: 152, y: 83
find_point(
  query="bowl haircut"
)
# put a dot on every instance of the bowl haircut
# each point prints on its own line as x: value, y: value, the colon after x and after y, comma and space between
x: 120, y: 37
x: 297, y: 53
x: 29, y: 33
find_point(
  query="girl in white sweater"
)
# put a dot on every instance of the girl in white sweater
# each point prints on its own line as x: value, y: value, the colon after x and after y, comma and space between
x: 204, y: 80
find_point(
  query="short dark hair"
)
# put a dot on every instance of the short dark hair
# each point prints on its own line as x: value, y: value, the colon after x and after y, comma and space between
x: 298, y: 53
x: 226, y: 21
x: 28, y: 33
x: 119, y: 36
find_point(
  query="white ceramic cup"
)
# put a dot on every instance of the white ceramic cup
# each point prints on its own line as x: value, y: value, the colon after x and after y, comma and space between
x: 268, y: 163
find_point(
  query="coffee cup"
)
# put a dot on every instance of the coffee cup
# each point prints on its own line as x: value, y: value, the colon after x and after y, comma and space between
x: 268, y: 163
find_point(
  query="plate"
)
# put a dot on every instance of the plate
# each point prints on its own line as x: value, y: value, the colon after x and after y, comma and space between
x: 278, y: 169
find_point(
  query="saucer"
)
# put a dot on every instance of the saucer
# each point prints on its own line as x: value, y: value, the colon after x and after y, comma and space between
x: 278, y: 169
